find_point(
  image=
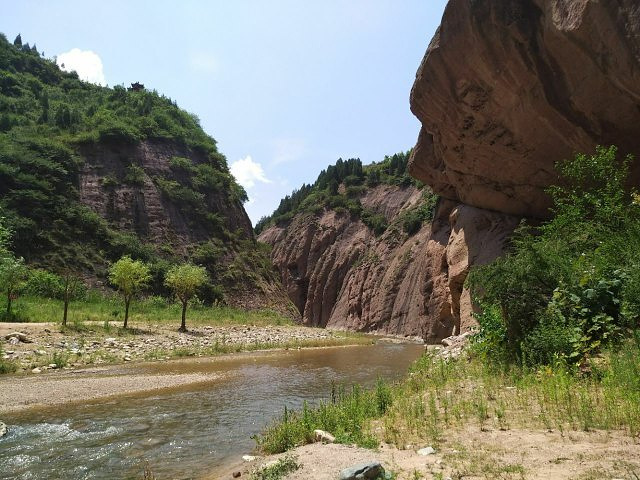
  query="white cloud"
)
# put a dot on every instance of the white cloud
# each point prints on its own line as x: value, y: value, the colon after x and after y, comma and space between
x: 203, y: 62
x: 86, y: 63
x: 248, y: 172
x: 287, y: 150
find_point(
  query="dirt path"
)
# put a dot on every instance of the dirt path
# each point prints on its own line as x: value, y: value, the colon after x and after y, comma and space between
x: 468, y: 453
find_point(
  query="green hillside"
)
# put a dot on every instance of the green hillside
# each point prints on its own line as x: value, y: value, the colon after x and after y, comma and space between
x: 340, y: 186
x: 50, y: 120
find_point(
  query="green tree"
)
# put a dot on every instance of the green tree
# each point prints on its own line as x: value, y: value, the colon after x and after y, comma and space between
x: 72, y: 287
x: 18, y: 41
x: 184, y: 280
x: 561, y: 289
x: 130, y: 277
x: 13, y: 272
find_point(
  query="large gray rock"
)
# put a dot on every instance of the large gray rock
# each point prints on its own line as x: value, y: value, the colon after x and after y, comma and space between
x: 369, y: 470
x: 19, y: 335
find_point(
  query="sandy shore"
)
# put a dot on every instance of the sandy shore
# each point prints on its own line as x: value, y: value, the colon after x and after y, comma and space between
x: 35, y: 391
x: 467, y: 452
x: 97, y: 364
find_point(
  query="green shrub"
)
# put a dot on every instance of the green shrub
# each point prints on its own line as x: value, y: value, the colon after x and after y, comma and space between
x: 44, y: 284
x: 569, y: 281
x: 375, y: 221
x: 134, y: 175
x: 278, y: 470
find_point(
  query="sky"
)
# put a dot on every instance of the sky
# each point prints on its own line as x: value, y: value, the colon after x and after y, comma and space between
x: 286, y: 87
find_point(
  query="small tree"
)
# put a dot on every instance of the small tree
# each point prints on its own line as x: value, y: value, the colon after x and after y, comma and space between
x: 17, y: 42
x: 129, y: 276
x: 13, y: 272
x: 185, y: 280
x: 72, y: 286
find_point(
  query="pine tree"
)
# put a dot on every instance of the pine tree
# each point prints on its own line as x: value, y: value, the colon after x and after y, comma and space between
x: 18, y: 41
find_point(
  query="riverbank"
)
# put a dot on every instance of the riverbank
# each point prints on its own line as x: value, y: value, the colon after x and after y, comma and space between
x: 470, y: 454
x: 20, y: 393
x: 82, y: 385
x: 480, y: 421
x: 38, y: 347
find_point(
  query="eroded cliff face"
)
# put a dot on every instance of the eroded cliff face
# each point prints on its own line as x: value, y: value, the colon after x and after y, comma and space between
x: 507, y: 89
x: 140, y: 189
x: 339, y: 274
x: 139, y: 206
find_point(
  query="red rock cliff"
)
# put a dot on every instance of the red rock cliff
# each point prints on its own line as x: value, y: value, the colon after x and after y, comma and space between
x: 506, y: 89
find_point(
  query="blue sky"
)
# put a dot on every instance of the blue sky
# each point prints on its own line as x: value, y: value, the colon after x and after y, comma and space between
x: 286, y: 87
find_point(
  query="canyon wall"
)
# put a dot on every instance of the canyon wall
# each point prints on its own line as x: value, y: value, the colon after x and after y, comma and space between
x: 507, y: 89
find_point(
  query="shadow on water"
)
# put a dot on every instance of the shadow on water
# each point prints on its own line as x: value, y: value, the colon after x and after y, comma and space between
x: 189, y: 431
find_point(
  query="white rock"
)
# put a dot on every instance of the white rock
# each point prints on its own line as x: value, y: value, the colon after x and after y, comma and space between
x: 426, y: 451
x: 53, y: 365
x: 248, y: 458
x: 324, y: 437
x: 3, y: 429
x: 36, y: 370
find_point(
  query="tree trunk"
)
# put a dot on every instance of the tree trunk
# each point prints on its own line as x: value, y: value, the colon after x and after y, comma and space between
x: 183, y: 327
x: 126, y: 311
x: 66, y: 307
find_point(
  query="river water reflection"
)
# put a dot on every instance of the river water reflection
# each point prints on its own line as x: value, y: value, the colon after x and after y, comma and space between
x: 192, y: 431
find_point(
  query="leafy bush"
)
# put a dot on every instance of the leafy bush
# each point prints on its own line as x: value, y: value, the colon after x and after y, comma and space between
x: 376, y: 222
x: 566, y: 289
x: 134, y: 175
x: 44, y: 284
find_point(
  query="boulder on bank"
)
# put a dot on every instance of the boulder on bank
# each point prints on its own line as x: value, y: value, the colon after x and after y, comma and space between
x: 324, y: 437
x: 362, y: 471
x: 3, y: 429
x: 22, y: 337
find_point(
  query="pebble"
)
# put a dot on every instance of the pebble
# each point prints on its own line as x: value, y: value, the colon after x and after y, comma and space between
x: 53, y: 366
x: 36, y: 370
x: 426, y: 451
x: 248, y: 458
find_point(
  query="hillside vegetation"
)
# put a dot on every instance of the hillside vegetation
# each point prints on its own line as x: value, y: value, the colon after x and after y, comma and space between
x: 571, y: 287
x: 340, y: 186
x: 50, y: 119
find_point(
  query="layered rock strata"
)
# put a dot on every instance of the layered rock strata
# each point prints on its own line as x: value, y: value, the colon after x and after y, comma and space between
x: 507, y: 89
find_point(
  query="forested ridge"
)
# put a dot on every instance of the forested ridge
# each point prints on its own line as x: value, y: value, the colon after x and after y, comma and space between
x: 50, y: 119
x: 339, y: 187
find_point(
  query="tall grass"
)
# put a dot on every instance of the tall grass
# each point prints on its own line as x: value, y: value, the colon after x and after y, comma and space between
x: 345, y: 415
x: 104, y: 309
x: 6, y: 366
x: 440, y: 394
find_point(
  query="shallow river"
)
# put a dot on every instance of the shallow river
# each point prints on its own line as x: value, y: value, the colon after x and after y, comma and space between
x: 190, y: 432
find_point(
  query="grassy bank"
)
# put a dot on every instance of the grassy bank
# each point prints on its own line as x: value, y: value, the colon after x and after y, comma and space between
x: 97, y: 307
x: 439, y: 395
